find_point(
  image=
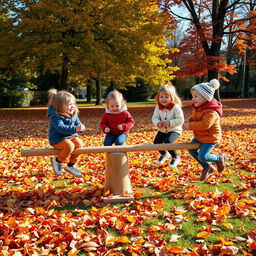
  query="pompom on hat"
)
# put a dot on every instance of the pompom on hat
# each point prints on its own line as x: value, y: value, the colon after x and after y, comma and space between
x: 207, y: 89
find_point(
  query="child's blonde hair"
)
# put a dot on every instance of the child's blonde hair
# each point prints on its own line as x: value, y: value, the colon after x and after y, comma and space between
x: 170, y: 90
x: 117, y: 96
x: 58, y: 98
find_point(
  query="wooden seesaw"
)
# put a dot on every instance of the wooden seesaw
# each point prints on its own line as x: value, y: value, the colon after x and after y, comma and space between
x: 117, y: 179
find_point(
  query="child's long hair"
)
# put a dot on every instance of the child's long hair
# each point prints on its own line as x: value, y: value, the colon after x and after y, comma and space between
x: 58, y: 98
x: 170, y: 90
x: 115, y: 95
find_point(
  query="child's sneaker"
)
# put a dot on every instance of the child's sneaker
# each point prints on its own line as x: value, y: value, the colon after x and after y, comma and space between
x: 56, y: 165
x: 222, y: 163
x: 206, y: 173
x: 73, y: 170
x: 163, y: 158
x: 174, y: 162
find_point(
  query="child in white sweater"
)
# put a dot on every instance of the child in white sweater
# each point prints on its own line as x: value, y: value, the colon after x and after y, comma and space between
x: 168, y: 117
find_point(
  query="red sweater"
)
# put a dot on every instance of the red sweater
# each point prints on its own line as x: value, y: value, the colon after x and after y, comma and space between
x: 113, y: 120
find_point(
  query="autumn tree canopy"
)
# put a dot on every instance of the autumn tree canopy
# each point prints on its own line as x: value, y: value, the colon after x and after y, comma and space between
x: 208, y: 22
x: 116, y: 41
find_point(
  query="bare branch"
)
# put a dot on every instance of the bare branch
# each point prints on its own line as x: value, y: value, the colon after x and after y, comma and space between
x: 238, y: 31
x: 233, y: 4
x: 168, y: 8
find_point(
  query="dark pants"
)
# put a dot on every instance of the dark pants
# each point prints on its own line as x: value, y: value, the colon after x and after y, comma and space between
x: 169, y: 137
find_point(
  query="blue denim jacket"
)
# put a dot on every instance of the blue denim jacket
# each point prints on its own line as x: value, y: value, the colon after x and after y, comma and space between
x: 61, y: 127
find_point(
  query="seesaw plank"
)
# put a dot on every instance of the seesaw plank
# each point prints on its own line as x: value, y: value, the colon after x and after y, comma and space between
x: 111, y: 149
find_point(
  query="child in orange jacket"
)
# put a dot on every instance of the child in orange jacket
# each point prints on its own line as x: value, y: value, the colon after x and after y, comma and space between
x: 205, y: 124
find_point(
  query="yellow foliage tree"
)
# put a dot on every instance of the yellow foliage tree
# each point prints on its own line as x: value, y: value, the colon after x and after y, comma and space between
x: 114, y: 40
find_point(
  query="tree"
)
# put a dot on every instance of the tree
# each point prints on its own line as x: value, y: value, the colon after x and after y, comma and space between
x: 208, y: 23
x: 93, y: 39
x: 246, y: 42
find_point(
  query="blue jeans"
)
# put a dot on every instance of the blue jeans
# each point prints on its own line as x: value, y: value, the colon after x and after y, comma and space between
x: 202, y: 155
x: 118, y: 139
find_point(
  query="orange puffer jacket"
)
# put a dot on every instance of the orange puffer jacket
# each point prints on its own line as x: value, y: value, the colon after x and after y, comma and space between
x: 205, y: 122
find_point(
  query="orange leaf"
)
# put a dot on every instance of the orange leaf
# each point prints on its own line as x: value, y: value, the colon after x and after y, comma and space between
x: 203, y: 234
x: 174, y: 249
x: 123, y: 239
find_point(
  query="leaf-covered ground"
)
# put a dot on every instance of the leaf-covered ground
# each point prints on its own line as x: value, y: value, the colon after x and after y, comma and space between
x: 173, y: 214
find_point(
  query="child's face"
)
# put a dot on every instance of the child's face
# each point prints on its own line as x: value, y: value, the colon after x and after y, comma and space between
x: 164, y: 99
x: 69, y: 107
x: 114, y: 106
x: 197, y: 98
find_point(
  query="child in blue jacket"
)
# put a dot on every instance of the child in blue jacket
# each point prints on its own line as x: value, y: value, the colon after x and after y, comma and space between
x: 63, y: 132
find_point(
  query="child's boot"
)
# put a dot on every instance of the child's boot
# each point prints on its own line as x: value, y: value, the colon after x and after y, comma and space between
x: 206, y: 173
x: 222, y: 163
x: 57, y: 166
x: 174, y: 162
x: 163, y: 158
x: 73, y: 170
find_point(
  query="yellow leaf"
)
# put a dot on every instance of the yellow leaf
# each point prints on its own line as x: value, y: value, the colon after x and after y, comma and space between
x: 153, y: 228
x: 225, y: 241
x: 86, y: 177
x: 28, y: 181
x: 123, y: 239
x: 130, y: 219
x: 135, y: 161
x: 202, y: 234
x: 73, y: 252
x: 201, y: 219
x: 228, y: 226
x: 157, y: 194
x: 80, y: 231
x: 139, y: 241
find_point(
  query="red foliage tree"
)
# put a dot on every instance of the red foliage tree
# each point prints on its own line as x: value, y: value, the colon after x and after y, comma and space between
x: 208, y: 22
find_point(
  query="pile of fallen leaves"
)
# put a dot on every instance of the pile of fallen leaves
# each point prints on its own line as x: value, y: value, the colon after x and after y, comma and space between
x: 45, y: 214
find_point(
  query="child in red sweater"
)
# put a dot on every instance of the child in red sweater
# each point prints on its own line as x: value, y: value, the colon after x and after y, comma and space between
x: 116, y: 122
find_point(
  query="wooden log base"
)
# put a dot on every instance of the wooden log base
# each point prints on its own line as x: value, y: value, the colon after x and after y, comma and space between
x: 117, y: 199
x: 117, y: 179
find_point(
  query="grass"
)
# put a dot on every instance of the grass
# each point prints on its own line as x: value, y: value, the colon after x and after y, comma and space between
x: 83, y: 103
x: 189, y: 229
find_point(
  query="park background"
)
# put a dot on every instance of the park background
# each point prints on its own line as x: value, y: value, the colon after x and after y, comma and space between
x: 134, y: 46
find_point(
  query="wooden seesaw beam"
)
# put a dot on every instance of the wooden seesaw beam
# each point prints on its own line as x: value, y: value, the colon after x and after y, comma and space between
x: 112, y: 149
x: 117, y: 179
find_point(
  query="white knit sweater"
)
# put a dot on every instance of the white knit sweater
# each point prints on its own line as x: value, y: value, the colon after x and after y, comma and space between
x: 174, y: 116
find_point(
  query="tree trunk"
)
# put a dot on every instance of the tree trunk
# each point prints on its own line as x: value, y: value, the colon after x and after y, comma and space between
x: 64, y: 74
x: 112, y: 85
x: 98, y: 91
x: 213, y: 73
x: 89, y: 91
x: 246, y: 81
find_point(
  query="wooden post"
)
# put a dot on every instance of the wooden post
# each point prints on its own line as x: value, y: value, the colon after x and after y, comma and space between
x: 117, y: 178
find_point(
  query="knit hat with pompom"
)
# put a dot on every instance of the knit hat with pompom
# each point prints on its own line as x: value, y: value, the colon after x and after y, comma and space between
x: 207, y: 89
